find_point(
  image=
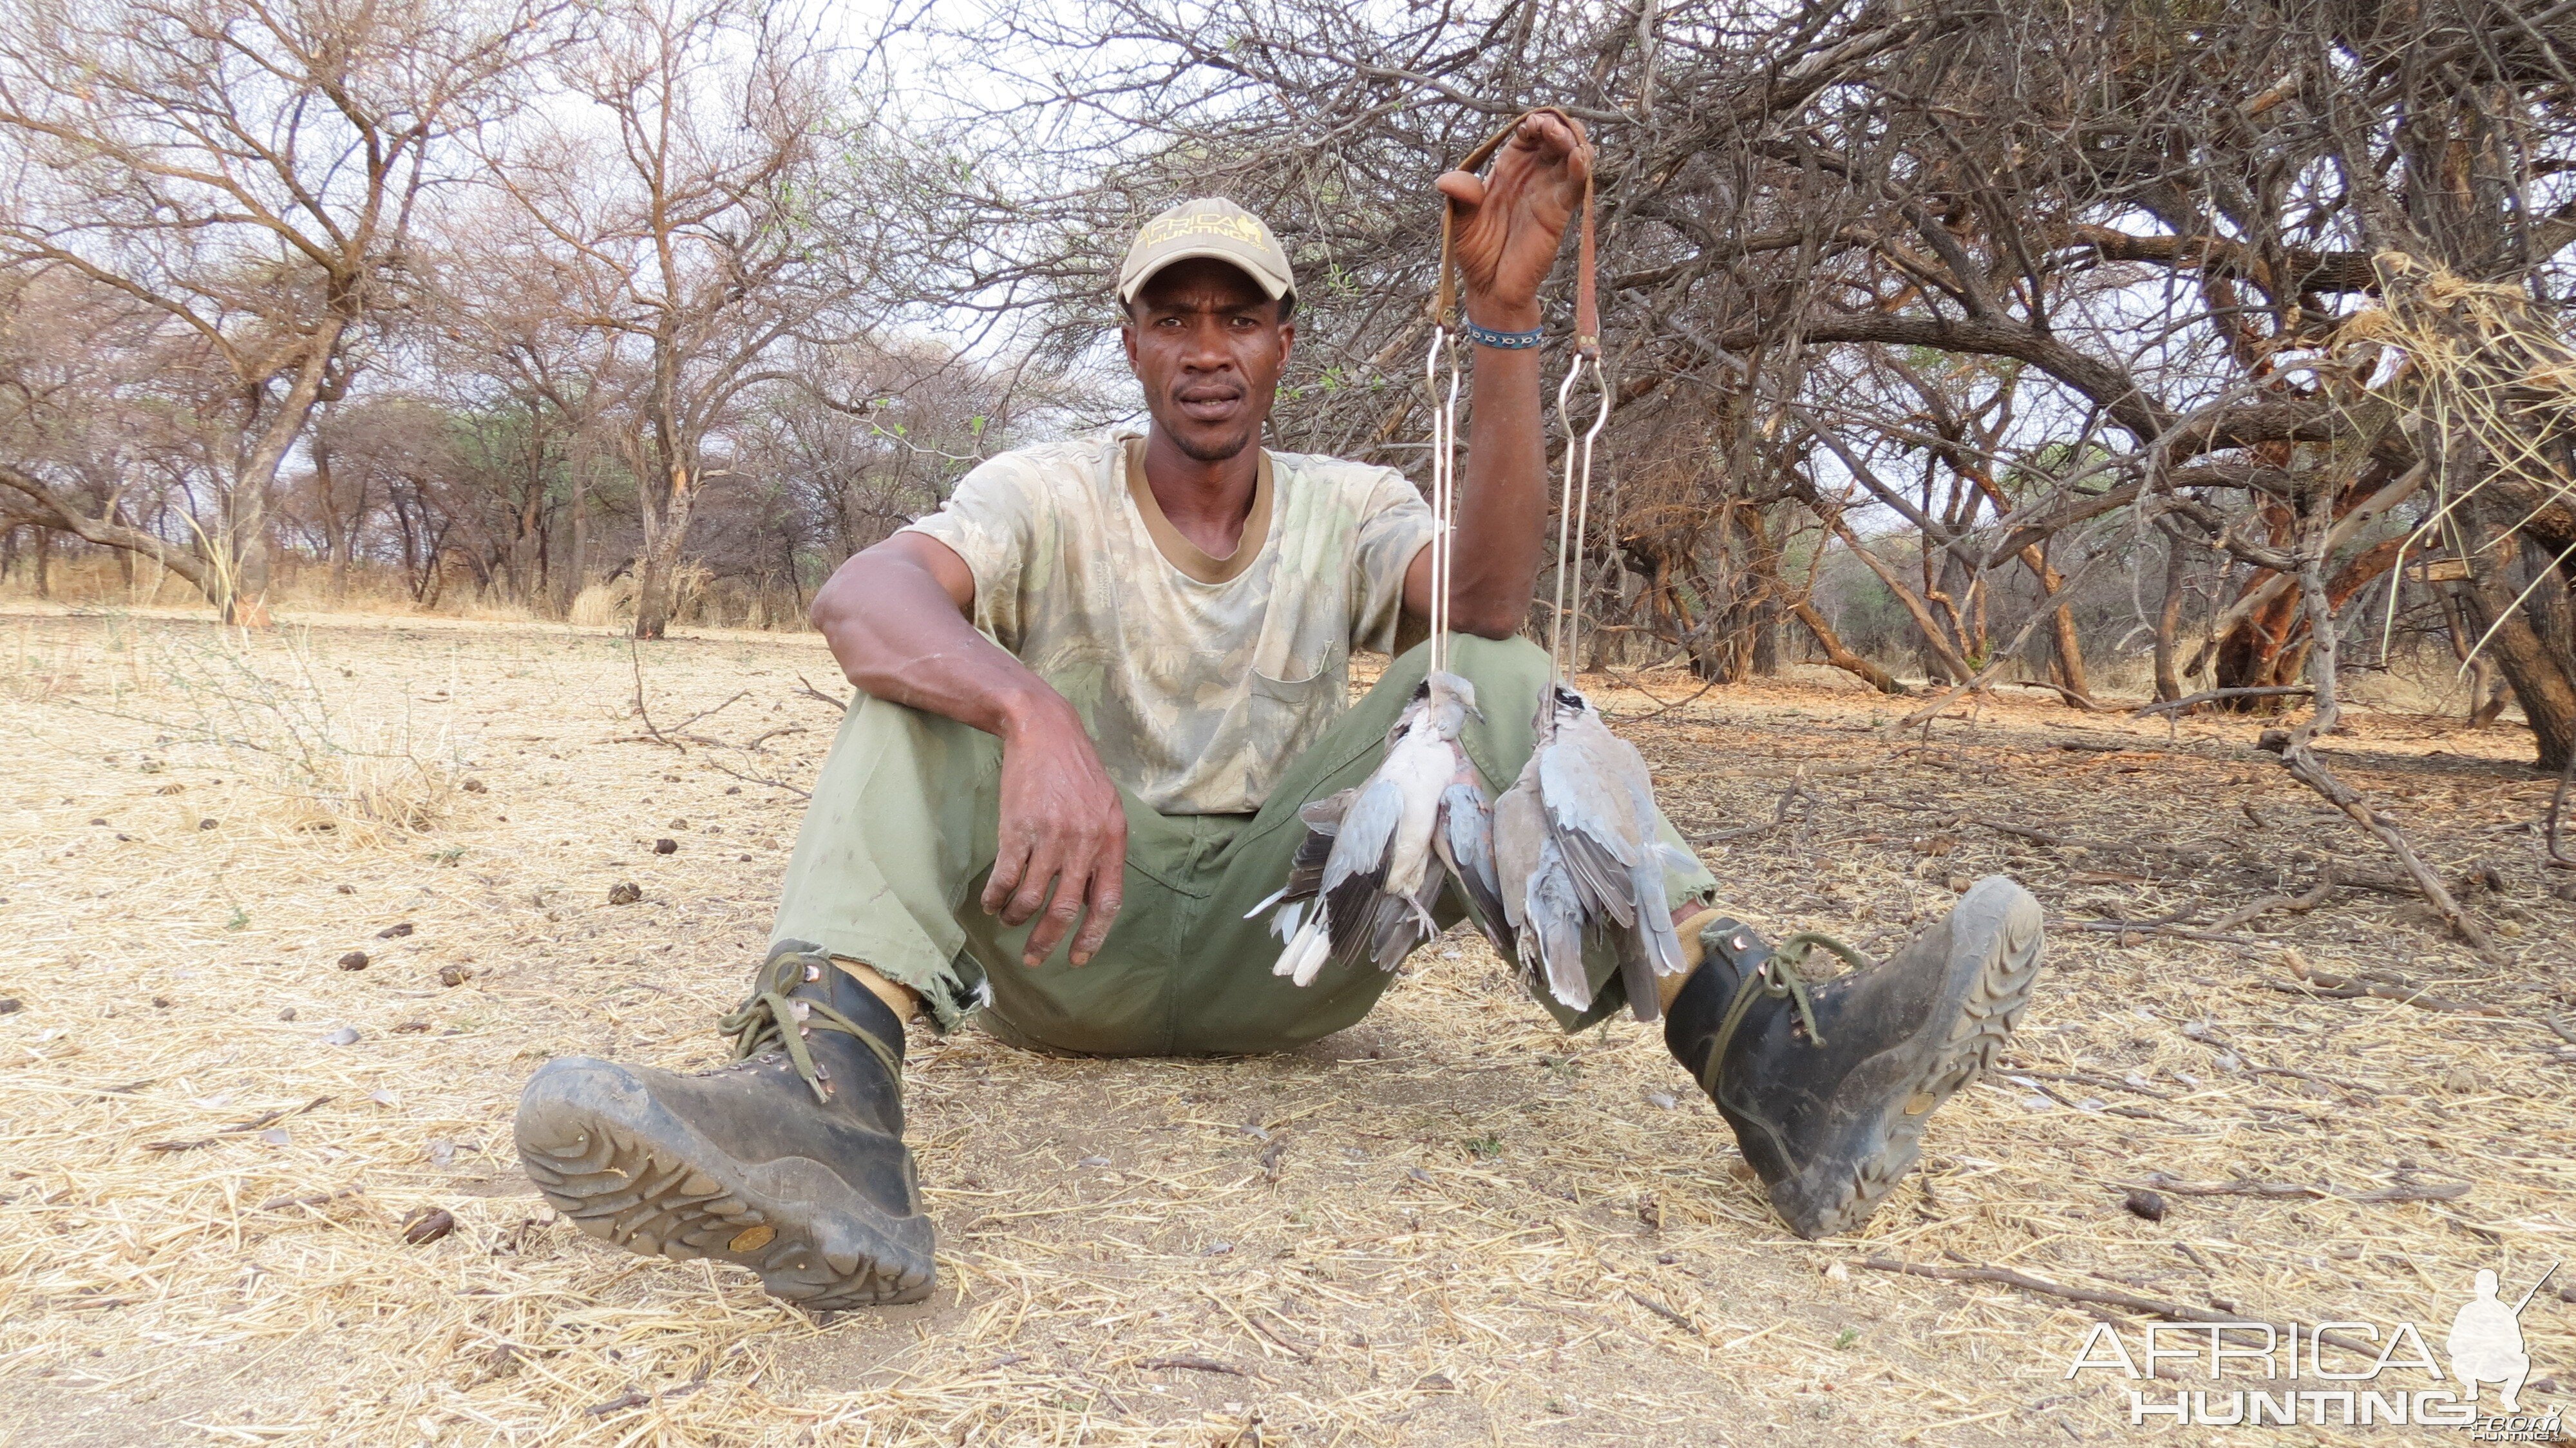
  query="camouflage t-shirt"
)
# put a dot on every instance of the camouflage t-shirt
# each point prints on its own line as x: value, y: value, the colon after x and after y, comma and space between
x: 1200, y: 678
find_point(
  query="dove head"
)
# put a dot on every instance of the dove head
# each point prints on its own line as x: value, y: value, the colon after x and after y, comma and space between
x: 1452, y: 700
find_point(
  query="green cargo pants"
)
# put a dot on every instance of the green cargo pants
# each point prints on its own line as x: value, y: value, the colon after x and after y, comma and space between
x: 890, y: 864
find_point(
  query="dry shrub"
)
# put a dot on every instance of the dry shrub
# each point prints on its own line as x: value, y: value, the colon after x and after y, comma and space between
x: 604, y: 605
x: 611, y: 603
x: 689, y: 592
x: 262, y: 699
x: 298, y: 585
x: 2480, y: 360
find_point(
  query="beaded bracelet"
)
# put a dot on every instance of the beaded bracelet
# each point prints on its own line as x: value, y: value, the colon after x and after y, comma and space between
x: 1510, y: 341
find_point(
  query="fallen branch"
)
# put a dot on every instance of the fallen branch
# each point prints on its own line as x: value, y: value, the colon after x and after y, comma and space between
x: 1662, y: 707
x: 2126, y: 1301
x: 1779, y: 816
x: 662, y: 737
x: 237, y: 1128
x: 2338, y: 987
x: 2127, y: 928
x: 2402, y: 1192
x: 2028, y: 1081
x: 747, y: 777
x: 2192, y: 701
x: 2298, y: 749
x: 2299, y: 905
x: 2081, y: 1078
x: 1666, y: 1313
x: 1193, y: 1364
x: 309, y: 1199
x: 672, y: 737
x: 2349, y: 1088
x: 268, y: 1118
x: 2557, y: 798
x: 2184, y: 854
x: 810, y: 692
x: 2073, y: 699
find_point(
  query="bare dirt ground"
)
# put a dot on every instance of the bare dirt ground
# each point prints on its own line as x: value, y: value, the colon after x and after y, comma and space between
x: 1447, y: 1226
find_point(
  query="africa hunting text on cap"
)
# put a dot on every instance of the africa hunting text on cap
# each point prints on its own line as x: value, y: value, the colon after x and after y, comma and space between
x: 1210, y: 227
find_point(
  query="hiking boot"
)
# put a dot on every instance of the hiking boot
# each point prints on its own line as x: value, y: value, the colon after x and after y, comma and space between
x: 1828, y: 1087
x: 790, y: 1161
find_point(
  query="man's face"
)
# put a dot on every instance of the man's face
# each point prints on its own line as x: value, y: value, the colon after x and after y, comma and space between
x: 1208, y: 346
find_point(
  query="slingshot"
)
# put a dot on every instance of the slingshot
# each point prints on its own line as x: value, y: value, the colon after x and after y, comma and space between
x: 1574, y: 843
x: 1575, y: 497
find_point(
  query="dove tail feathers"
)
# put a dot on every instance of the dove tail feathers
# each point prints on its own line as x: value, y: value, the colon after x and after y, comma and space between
x: 1639, y: 977
x: 1655, y: 935
x: 1307, y: 951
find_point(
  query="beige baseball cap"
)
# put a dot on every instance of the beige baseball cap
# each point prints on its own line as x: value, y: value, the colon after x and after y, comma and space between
x: 1210, y: 226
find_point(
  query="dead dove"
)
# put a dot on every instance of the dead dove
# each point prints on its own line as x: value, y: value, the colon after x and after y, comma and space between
x: 1376, y: 855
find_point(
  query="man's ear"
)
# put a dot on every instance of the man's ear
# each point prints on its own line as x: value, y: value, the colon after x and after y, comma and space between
x: 1127, y: 340
x: 1287, y: 341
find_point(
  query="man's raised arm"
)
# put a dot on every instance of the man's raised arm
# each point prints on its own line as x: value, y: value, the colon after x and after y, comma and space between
x: 1508, y: 231
x: 896, y: 617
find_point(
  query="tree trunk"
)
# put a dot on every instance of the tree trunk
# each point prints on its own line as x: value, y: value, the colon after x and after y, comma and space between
x: 335, y: 529
x: 527, y: 550
x: 1840, y: 655
x: 2067, y: 655
x: 2252, y: 656
x: 1945, y: 656
x: 44, y: 561
x: 244, y: 580
x: 2543, y: 676
x: 577, y: 566
x: 653, y: 601
x: 1763, y: 656
x: 2168, y: 619
x: 52, y: 510
x: 2067, y: 664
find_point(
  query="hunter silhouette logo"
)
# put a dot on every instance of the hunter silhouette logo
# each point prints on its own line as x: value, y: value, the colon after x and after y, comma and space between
x: 2351, y: 1374
x: 2486, y: 1341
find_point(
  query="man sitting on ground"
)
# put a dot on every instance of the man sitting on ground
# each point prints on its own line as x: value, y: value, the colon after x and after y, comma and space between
x: 1094, y: 690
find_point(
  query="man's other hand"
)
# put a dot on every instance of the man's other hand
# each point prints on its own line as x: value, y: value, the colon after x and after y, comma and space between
x: 1509, y: 226
x: 1063, y: 833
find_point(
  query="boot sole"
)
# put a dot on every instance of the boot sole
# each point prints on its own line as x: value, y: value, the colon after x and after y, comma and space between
x: 1993, y: 963
x: 630, y: 1173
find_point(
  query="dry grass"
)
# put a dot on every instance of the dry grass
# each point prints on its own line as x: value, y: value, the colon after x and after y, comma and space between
x: 1446, y: 1226
x: 302, y: 585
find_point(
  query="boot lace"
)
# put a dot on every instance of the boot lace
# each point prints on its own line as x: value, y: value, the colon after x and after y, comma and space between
x: 772, y: 1019
x: 1782, y: 975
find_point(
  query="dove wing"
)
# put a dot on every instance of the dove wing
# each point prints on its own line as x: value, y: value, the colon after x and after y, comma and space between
x: 1402, y: 922
x: 1520, y: 830
x: 1552, y: 936
x: 1639, y: 977
x: 1323, y: 819
x: 1466, y: 846
x: 1354, y: 875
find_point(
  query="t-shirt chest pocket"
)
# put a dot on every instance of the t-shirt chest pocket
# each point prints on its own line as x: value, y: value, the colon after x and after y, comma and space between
x: 1298, y: 677
x: 1301, y: 645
